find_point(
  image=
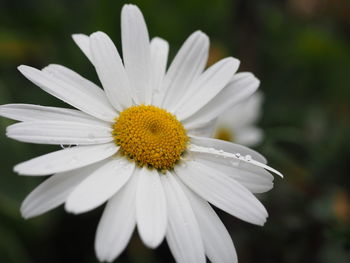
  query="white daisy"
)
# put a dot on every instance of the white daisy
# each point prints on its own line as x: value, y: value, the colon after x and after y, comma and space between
x: 238, y: 124
x: 138, y: 145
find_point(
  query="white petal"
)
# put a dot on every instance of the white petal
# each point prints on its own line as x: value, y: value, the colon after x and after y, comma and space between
x: 159, y: 58
x: 249, y: 136
x: 240, y: 88
x: 187, y: 65
x: 66, y: 159
x: 235, y: 159
x: 244, y: 114
x: 77, y: 95
x: 227, y: 147
x: 151, y: 213
x: 110, y: 70
x: 222, y: 191
x: 204, y: 131
x: 217, y: 241
x: 28, y: 112
x: 253, y: 108
x: 136, y: 52
x: 83, y: 42
x: 59, y: 132
x: 100, y: 185
x: 117, y: 223
x: 54, y: 191
x: 105, y: 111
x: 183, y: 234
x: 241, y: 120
x: 255, y: 180
x: 206, y: 87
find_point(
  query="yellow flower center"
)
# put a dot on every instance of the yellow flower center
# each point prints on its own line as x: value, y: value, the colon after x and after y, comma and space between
x: 150, y: 136
x: 222, y: 133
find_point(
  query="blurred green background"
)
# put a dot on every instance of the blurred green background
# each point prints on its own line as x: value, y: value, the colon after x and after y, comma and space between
x: 299, y: 49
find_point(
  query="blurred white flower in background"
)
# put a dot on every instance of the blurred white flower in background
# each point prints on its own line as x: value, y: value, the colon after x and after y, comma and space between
x: 239, y: 124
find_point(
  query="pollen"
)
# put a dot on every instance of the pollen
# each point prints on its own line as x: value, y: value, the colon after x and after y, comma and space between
x: 150, y: 136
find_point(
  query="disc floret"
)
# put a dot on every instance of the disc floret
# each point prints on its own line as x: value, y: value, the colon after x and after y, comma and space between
x: 150, y: 136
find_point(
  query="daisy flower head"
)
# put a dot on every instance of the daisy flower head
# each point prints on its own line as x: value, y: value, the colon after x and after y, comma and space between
x: 141, y: 145
x: 238, y: 124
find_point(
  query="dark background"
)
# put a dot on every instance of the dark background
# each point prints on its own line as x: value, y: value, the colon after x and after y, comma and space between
x: 299, y: 49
